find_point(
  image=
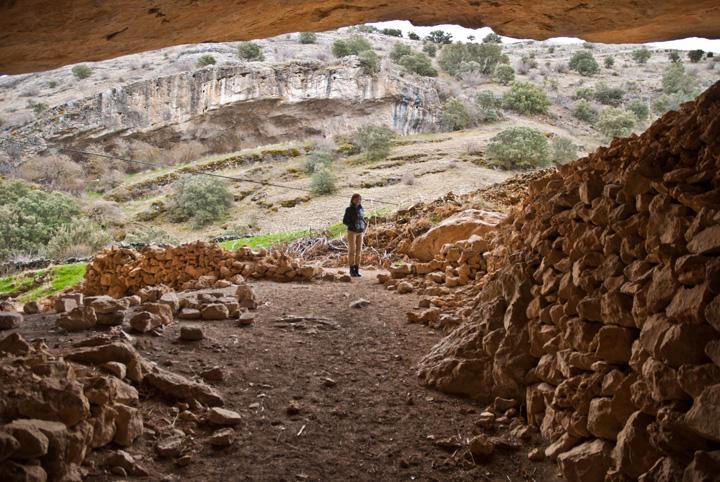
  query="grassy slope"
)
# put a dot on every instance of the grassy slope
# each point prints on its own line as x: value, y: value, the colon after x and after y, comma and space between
x: 32, y: 285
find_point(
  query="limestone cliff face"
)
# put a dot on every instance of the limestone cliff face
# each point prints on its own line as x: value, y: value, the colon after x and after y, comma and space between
x: 259, y: 103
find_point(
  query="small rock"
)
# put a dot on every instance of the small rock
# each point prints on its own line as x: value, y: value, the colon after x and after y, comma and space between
x: 536, y: 455
x: 214, y: 374
x: 31, y: 308
x: 116, y: 368
x: 126, y: 463
x: 10, y: 320
x: 329, y: 382
x: 345, y: 278
x: 222, y: 438
x: 404, y: 287
x: 191, y: 333
x: 215, y: 311
x: 189, y: 314
x: 223, y: 416
x: 246, y: 318
x: 145, y: 321
x: 170, y: 447
x: 293, y: 407
x: 183, y: 461
x: 361, y: 303
x: 481, y: 446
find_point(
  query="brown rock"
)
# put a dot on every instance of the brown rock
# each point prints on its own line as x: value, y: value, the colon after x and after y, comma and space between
x: 602, y: 422
x: 170, y: 446
x: 587, y: 462
x: 712, y: 313
x: 191, y: 333
x: 614, y: 344
x: 704, y: 414
x: 616, y: 309
x: 688, y: 304
x: 662, y: 289
x: 215, y: 311
x: 221, y: 416
x: 706, y: 241
x: 704, y: 467
x: 145, y: 321
x: 80, y: 318
x: 189, y: 314
x: 8, y: 445
x: 170, y: 299
x: 128, y: 423
x: 15, y: 472
x: 178, y: 387
x: 665, y: 469
x: 404, y: 287
x: 120, y: 459
x: 97, y: 355
x: 33, y: 443
x: 481, y: 446
x: 31, y: 308
x: 694, y: 378
x: 214, y: 374
x: 66, y: 304
x: 10, y: 320
x: 633, y: 454
x: 683, y: 343
x: 14, y: 344
x: 222, y: 438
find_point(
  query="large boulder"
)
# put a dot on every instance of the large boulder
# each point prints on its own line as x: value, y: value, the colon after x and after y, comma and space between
x: 455, y: 228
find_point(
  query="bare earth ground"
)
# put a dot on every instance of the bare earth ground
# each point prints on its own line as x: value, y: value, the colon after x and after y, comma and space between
x: 376, y: 423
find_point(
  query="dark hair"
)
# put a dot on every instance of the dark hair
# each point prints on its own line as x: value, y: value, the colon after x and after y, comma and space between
x: 352, y: 198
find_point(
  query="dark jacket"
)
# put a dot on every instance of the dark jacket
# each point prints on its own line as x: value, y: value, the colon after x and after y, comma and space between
x: 354, y: 218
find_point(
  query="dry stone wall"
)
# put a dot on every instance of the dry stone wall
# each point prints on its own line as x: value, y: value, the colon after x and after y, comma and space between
x: 600, y: 314
x: 118, y: 272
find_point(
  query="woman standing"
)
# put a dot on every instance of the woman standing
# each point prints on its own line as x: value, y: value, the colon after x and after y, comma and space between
x: 354, y: 219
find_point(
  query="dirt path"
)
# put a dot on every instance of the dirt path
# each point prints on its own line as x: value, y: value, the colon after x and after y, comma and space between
x: 373, y: 421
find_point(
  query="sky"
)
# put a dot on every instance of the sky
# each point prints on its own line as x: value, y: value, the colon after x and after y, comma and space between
x: 461, y: 33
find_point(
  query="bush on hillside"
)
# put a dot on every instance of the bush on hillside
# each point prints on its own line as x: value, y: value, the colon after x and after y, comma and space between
x: 374, y: 141
x: 518, y: 148
x: 400, y: 50
x: 78, y: 239
x: 492, y: 38
x: 205, y: 60
x: 674, y: 56
x: 607, y: 95
x: 504, y: 74
x: 308, y: 38
x: 586, y: 93
x: 526, y: 98
x: 641, y: 55
x: 584, y: 63
x: 392, y: 32
x: 452, y: 56
x: 200, y: 199
x: 676, y: 79
x: 82, y: 71
x: 430, y: 49
x: 439, y: 37
x: 29, y: 217
x: 563, y: 150
x: 585, y: 112
x: 609, y: 61
x: 323, y: 181
x: 149, y: 235
x: 56, y: 172
x: 640, y: 109
x: 316, y: 160
x: 250, y: 51
x: 696, y: 56
x: 615, y: 122
x: 418, y: 63
x: 455, y: 115
x: 486, y: 99
x: 369, y: 62
x: 350, y: 46
x: 413, y: 36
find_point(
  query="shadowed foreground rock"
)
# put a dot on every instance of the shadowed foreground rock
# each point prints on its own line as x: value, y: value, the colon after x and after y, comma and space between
x: 40, y: 35
x: 599, y: 313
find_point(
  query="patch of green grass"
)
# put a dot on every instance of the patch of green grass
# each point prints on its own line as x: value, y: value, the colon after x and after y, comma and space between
x: 266, y: 240
x: 53, y: 280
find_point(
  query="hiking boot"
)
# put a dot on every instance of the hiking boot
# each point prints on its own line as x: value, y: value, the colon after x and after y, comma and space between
x: 357, y: 271
x: 353, y: 273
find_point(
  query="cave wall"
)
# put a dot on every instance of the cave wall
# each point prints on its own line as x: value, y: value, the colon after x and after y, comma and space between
x: 40, y: 34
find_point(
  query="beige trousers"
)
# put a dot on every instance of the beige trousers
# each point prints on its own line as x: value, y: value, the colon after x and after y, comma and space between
x: 355, y: 242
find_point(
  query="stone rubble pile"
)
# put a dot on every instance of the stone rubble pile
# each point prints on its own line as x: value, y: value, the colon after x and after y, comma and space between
x: 600, y: 314
x: 56, y: 407
x: 154, y: 307
x: 118, y: 272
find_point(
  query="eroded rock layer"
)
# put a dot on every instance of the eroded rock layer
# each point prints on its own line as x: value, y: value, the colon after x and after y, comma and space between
x: 40, y: 35
x: 601, y: 314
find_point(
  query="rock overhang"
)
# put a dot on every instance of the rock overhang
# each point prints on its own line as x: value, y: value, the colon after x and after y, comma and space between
x: 39, y: 35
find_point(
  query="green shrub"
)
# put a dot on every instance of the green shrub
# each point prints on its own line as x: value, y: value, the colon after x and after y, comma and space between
x: 518, y: 148
x: 615, y: 122
x: 492, y: 38
x: 52, y: 84
x: 455, y: 115
x: 674, y: 56
x: 418, y: 63
x: 351, y: 46
x: 369, y: 62
x: 323, y: 181
x: 200, y: 199
x: 250, y: 51
x: 307, y: 38
x: 400, y: 50
x: 149, y: 235
x: 664, y: 102
x: 206, y: 60
x: 641, y: 55
x: 586, y: 93
x: 367, y: 29
x: 609, y: 62
x: 563, y: 150
x: 453, y: 56
x: 488, y: 100
x: 38, y: 107
x: 640, y: 109
x: 82, y: 71
x: 607, y: 95
x: 392, y: 32
x: 316, y: 160
x: 413, y: 36
x: 585, y: 112
x: 29, y: 217
x: 661, y: 104
x: 77, y: 240
x: 676, y: 79
x: 504, y: 74
x: 430, y: 49
x: 696, y: 56
x: 374, y: 141
x: 526, y: 98
x: 439, y: 37
x: 584, y: 63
